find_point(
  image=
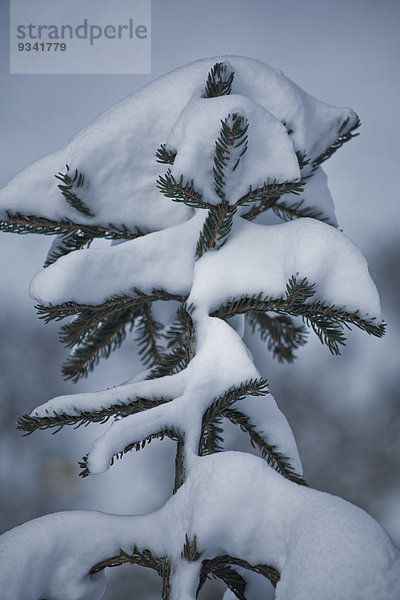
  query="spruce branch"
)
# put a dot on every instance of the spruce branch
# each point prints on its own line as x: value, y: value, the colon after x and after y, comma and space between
x: 230, y: 147
x: 298, y: 292
x: 327, y: 321
x: 176, y: 333
x: 216, y: 228
x: 165, y: 156
x: 137, y: 445
x: 68, y: 187
x: 216, y: 567
x: 144, y: 558
x: 29, y: 423
x: 19, y: 223
x: 57, y: 312
x: 84, y: 324
x: 182, y: 346
x: 287, y: 212
x: 267, y: 196
x: 99, y: 343
x: 147, y: 337
x: 304, y: 161
x: 190, y: 551
x: 181, y: 191
x: 283, y: 337
x: 269, y: 452
x: 344, y: 136
x: 211, y: 439
x: 74, y: 241
x: 219, y: 568
x: 171, y: 363
x: 219, y: 80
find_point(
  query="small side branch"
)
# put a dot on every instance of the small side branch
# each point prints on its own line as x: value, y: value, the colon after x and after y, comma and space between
x: 269, y: 452
x: 69, y: 187
x: 220, y: 567
x: 181, y: 191
x: 30, y: 423
x: 136, y: 445
x: 144, y: 558
x: 211, y: 439
x: 20, y: 223
x: 219, y: 80
x: 279, y: 332
x: 344, y: 136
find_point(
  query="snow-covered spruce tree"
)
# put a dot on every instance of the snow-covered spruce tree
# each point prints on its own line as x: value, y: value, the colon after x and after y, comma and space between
x: 190, y: 177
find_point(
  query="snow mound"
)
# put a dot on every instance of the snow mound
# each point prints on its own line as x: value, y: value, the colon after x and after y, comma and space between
x: 322, y: 546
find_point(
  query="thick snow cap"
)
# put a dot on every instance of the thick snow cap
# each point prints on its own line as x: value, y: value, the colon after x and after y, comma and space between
x: 116, y: 152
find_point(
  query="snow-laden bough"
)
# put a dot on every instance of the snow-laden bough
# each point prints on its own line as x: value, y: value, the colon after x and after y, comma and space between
x: 318, y: 545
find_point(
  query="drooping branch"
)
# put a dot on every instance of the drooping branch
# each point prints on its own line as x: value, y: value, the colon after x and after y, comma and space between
x: 69, y: 188
x: 57, y: 312
x: 220, y: 567
x: 269, y: 452
x: 148, y: 336
x: 165, y: 156
x: 211, y: 439
x: 66, y: 244
x: 30, y: 423
x: 181, y: 342
x: 99, y: 343
x: 327, y: 321
x: 137, y: 445
x: 344, y: 136
x: 144, y: 558
x: 17, y: 222
x: 282, y: 336
x: 285, y: 210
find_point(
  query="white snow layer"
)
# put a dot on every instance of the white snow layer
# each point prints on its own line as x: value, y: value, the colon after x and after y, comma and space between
x: 269, y: 156
x: 256, y: 258
x: 116, y: 152
x: 235, y: 504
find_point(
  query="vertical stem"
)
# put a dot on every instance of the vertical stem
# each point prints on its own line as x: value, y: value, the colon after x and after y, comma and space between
x: 179, y: 470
